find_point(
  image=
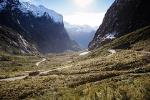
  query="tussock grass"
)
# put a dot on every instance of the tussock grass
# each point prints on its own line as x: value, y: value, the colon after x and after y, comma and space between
x: 124, y: 75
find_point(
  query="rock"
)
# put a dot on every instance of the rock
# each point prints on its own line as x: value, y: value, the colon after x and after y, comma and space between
x: 124, y: 16
x: 39, y: 29
x: 12, y: 42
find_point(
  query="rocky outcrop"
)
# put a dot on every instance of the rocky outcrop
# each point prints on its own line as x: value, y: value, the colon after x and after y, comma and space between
x: 13, y: 42
x: 38, y: 25
x: 122, y: 17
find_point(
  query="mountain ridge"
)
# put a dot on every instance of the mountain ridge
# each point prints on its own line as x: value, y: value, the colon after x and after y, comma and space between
x: 123, y: 17
x: 46, y: 33
x: 13, y: 42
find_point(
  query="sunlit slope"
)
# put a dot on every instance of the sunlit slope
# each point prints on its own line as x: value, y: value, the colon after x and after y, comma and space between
x: 100, y: 75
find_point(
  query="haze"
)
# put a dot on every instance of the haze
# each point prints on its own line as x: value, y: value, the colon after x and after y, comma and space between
x: 78, y: 12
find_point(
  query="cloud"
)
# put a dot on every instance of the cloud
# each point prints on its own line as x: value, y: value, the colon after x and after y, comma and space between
x: 83, y: 18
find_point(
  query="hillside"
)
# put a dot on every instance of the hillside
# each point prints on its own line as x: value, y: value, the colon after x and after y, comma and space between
x: 13, y: 42
x: 117, y: 69
x: 100, y: 75
x: 138, y: 40
x: 38, y: 25
x: 123, y: 17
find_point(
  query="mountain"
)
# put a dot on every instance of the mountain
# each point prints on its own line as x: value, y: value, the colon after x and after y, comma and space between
x: 81, y: 34
x: 124, y: 16
x: 38, y: 25
x: 138, y: 40
x: 13, y: 42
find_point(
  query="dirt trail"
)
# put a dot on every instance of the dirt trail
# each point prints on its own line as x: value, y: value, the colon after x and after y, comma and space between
x: 22, y: 77
x: 14, y: 78
x: 37, y: 64
x: 41, y: 73
x: 46, y: 72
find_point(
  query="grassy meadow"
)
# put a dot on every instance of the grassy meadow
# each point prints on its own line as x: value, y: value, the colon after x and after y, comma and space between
x: 99, y: 75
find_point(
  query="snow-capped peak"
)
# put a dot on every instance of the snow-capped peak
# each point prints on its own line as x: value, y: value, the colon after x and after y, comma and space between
x: 39, y: 11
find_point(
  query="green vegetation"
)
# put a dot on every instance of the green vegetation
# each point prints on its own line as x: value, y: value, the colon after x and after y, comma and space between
x: 100, y: 75
x: 138, y: 40
x: 14, y: 65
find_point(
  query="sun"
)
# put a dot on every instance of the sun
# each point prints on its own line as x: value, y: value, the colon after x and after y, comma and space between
x: 83, y: 3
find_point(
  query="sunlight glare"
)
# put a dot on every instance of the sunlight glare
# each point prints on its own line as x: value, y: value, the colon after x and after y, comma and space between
x: 83, y: 3
x: 83, y: 18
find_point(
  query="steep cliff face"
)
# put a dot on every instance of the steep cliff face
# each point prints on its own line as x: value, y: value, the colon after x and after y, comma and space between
x: 122, y: 17
x: 38, y: 25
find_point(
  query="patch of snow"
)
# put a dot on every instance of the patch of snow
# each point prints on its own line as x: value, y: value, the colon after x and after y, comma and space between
x: 84, y: 53
x: 39, y: 11
x: 111, y: 35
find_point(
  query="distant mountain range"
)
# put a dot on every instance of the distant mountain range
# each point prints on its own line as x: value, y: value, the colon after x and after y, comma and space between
x: 123, y: 17
x: 37, y: 25
x: 82, y: 34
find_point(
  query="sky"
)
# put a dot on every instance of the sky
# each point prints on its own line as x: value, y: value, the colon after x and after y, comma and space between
x: 78, y: 12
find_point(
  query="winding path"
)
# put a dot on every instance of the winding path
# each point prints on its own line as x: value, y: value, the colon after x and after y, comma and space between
x: 22, y: 77
x: 37, y: 64
x: 14, y: 78
x: 41, y: 73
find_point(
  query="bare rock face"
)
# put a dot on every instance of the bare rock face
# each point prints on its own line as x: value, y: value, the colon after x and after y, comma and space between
x: 13, y: 42
x: 122, y: 17
x: 37, y: 25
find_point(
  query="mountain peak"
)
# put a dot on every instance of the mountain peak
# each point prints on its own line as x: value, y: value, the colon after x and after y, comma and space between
x: 26, y: 7
x: 39, y: 11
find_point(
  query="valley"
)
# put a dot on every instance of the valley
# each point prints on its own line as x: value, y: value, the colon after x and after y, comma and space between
x: 114, y: 73
x: 94, y: 50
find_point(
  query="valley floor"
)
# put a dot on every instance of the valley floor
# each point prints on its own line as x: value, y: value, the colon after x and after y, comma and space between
x: 112, y: 75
